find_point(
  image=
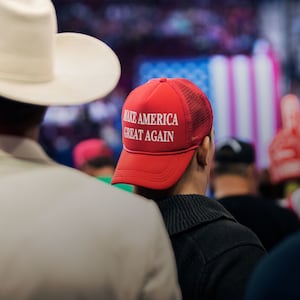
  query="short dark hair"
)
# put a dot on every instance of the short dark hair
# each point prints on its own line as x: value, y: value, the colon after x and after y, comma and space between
x: 17, y: 114
x: 239, y: 169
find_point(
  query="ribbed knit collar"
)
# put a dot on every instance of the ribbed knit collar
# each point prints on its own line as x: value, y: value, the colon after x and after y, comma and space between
x: 182, y: 212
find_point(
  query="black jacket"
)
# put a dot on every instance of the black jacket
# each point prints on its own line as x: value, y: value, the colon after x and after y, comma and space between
x: 214, y: 254
x: 270, y: 222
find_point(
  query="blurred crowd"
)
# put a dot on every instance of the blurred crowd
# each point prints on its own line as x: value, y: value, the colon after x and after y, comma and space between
x: 135, y: 29
x: 142, y: 28
x: 64, y: 127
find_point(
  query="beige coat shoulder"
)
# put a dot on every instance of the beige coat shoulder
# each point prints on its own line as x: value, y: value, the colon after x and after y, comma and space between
x: 65, y: 235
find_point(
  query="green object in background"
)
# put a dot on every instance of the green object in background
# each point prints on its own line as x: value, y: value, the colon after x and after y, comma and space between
x: 122, y: 186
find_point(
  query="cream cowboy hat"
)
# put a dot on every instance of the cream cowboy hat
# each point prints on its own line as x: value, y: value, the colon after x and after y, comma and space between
x: 40, y: 66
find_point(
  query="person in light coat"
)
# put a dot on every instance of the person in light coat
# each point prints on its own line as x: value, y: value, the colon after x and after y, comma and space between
x: 63, y: 234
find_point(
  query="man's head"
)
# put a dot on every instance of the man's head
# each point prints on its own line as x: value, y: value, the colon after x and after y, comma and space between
x: 234, y: 162
x: 166, y: 126
x: 13, y: 113
x: 40, y: 67
x: 94, y: 157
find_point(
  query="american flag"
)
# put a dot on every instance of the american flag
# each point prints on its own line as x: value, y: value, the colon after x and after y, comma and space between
x: 243, y: 90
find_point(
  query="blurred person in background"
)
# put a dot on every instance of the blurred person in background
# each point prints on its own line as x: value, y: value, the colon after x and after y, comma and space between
x: 276, y: 276
x: 63, y: 234
x: 284, y: 153
x: 235, y: 185
x: 167, y: 154
x: 285, y: 168
x: 95, y: 158
x: 266, y: 189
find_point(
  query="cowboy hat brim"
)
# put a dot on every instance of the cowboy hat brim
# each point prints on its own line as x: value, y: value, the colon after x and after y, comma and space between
x: 85, y: 69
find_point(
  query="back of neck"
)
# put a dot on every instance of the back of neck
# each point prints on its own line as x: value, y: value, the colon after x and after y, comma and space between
x: 231, y: 185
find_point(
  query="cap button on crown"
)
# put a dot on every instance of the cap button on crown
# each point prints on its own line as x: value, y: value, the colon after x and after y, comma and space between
x: 162, y: 79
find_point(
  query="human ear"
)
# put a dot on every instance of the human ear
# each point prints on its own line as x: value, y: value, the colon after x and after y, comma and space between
x: 203, y: 152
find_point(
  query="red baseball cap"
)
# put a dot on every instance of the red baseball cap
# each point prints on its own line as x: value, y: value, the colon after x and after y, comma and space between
x: 90, y: 149
x: 163, y: 122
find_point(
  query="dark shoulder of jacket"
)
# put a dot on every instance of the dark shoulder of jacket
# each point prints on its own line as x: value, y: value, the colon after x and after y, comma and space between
x: 286, y: 215
x: 215, y: 238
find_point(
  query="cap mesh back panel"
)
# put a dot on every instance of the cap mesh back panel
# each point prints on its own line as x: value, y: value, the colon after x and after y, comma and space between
x: 200, y: 109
